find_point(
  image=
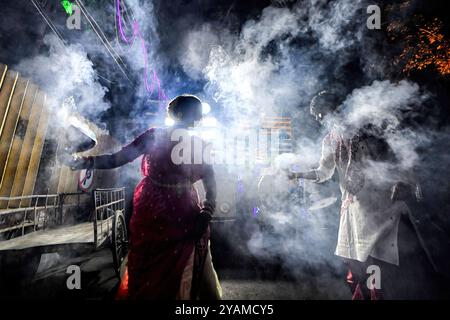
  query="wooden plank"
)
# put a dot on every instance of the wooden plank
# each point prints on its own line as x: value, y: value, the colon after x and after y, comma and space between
x: 12, y: 119
x: 9, y: 172
x: 27, y: 148
x: 65, y: 235
x: 74, y: 187
x: 57, y: 168
x: 3, y: 69
x: 71, y: 181
x: 47, y: 163
x: 48, y: 159
x: 36, y: 153
x: 62, y: 179
x: 79, y: 233
x: 67, y: 181
x: 6, y: 94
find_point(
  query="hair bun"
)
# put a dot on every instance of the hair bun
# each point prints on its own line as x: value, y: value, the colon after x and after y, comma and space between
x: 178, y: 107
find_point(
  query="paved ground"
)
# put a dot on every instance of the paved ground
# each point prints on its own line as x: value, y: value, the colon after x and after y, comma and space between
x: 98, y: 279
x: 99, y: 282
x: 272, y: 290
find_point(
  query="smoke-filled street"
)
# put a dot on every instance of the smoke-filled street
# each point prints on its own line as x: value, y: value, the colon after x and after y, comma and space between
x: 207, y: 150
x: 99, y: 282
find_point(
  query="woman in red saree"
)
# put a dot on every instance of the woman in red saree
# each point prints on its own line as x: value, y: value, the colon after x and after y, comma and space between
x: 168, y: 223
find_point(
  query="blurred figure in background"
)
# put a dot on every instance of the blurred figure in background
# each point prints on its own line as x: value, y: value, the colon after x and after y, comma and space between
x: 376, y: 234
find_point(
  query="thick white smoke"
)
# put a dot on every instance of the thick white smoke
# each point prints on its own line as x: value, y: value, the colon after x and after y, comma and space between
x: 385, y: 105
x: 66, y: 72
x: 261, y: 70
x: 273, y: 66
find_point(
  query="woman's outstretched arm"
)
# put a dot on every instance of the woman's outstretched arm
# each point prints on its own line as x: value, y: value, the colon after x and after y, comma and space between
x: 121, y: 157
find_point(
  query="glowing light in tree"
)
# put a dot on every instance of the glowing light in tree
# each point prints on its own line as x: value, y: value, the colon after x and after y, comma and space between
x: 425, y: 46
x: 67, y: 5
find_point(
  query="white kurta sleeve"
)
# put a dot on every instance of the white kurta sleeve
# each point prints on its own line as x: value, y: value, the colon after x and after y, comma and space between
x: 327, y: 163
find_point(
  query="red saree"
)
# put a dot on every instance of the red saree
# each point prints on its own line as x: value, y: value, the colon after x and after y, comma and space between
x: 165, y: 206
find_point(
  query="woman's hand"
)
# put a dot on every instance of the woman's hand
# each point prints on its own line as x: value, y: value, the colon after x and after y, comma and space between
x: 401, y: 192
x: 291, y: 175
x: 203, y: 219
x: 77, y: 163
x: 201, y: 225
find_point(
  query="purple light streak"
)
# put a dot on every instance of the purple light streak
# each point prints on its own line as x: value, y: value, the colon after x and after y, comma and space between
x: 149, y: 87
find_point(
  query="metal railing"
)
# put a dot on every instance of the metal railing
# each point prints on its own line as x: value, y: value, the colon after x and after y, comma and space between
x: 107, y: 202
x: 43, y: 211
x: 28, y: 211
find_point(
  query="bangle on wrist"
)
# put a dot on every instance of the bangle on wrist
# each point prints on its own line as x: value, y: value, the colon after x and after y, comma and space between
x: 208, y: 207
x: 90, y: 162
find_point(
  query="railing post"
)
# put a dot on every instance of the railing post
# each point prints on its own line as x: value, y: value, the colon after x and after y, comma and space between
x: 94, y: 198
x: 61, y: 209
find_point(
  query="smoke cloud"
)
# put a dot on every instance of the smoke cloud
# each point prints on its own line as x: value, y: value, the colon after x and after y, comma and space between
x: 268, y: 63
x: 67, y: 72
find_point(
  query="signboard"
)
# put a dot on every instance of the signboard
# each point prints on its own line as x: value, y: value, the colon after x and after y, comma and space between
x: 85, y: 179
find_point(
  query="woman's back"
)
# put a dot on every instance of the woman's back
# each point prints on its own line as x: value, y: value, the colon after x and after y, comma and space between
x: 174, y: 157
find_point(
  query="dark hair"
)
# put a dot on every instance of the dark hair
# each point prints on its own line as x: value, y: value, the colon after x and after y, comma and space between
x: 324, y: 102
x: 325, y: 99
x: 184, y: 105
